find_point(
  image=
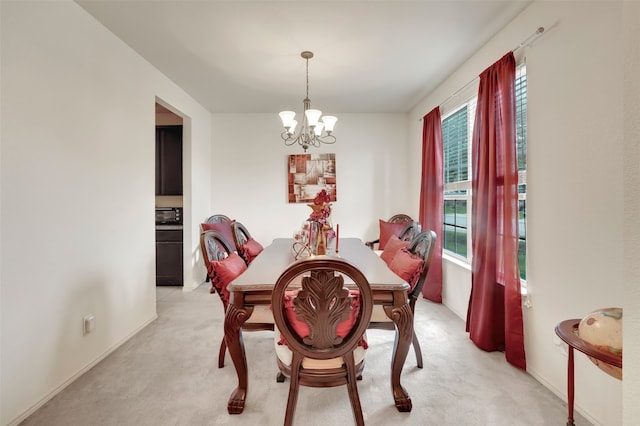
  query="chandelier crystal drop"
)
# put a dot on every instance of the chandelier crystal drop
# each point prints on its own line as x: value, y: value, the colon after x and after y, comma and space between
x: 314, y: 130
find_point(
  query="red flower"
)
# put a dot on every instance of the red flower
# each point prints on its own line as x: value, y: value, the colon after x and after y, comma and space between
x: 321, y: 207
x: 321, y: 198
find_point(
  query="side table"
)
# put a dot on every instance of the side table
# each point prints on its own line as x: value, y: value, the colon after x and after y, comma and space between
x: 568, y: 331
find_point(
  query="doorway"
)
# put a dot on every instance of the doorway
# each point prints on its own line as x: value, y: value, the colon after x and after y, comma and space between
x: 169, y: 235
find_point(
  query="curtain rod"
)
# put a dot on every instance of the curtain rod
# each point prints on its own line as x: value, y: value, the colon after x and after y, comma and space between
x: 525, y: 42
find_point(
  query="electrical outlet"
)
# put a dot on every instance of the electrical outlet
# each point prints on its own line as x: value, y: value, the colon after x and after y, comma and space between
x: 88, y: 323
x: 562, y: 346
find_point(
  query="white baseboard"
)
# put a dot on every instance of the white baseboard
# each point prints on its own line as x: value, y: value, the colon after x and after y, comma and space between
x: 563, y: 396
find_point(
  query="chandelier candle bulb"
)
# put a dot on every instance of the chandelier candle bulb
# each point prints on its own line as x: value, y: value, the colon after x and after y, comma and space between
x: 313, y: 115
x: 329, y: 123
x: 288, y: 119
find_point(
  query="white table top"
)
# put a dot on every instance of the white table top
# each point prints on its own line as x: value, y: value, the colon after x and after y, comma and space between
x: 265, y: 269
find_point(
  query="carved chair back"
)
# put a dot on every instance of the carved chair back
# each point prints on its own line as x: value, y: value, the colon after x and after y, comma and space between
x: 218, y: 218
x: 399, y: 218
x: 322, y: 302
x: 410, y: 231
x: 240, y: 234
x: 423, y: 246
x: 214, y: 246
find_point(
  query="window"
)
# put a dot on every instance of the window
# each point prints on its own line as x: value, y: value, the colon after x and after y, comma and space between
x: 456, y: 141
x: 457, y: 130
x: 521, y: 149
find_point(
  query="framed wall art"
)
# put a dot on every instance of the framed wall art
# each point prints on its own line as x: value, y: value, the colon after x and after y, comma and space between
x: 308, y: 174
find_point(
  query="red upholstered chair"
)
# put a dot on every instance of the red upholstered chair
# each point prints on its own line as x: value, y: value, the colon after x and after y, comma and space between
x: 410, y: 231
x: 220, y: 223
x: 323, y: 356
x: 411, y: 264
x: 247, y: 247
x: 224, y: 265
x: 394, y: 226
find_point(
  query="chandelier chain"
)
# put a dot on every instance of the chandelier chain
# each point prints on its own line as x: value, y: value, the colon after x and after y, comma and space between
x: 307, y: 59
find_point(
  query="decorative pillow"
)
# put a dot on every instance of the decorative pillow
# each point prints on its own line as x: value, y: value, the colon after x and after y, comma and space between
x: 250, y: 250
x: 407, y: 266
x: 222, y: 272
x: 223, y: 228
x: 388, y: 229
x: 394, y: 244
x: 302, y: 329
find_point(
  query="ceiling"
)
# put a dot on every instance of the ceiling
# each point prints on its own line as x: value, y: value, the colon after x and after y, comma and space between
x: 244, y: 56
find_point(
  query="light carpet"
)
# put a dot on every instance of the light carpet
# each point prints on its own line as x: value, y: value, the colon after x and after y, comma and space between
x: 167, y: 375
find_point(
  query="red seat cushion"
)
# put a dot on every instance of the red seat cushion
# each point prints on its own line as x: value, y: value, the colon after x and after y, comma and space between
x: 392, y: 247
x: 250, y: 250
x: 387, y: 229
x: 407, y: 266
x: 222, y: 272
x: 223, y: 228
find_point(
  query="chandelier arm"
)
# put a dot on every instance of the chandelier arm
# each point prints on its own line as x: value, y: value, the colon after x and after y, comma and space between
x: 287, y: 138
x: 327, y: 139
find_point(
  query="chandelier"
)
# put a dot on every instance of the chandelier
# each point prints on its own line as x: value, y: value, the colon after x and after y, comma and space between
x: 312, y: 131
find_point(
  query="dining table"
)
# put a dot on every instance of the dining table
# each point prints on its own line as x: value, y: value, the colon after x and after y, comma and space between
x: 254, y: 287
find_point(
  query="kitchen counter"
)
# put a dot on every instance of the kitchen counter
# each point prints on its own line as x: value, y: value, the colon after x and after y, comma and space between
x: 161, y: 227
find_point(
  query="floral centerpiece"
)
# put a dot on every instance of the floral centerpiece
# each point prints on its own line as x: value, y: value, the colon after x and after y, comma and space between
x: 321, y: 208
x: 320, y: 221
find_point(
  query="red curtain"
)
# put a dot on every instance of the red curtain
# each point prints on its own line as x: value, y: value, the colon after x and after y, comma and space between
x: 432, y: 198
x: 494, y: 318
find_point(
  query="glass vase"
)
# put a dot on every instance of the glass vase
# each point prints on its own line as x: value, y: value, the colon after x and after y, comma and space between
x: 321, y: 245
x: 318, y: 243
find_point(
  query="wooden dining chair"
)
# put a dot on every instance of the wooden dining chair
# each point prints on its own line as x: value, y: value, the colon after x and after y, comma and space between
x: 412, y: 264
x: 223, y: 265
x: 222, y: 224
x: 393, y: 226
x: 212, y: 223
x: 217, y: 218
x: 322, y: 326
x: 410, y: 231
x: 247, y: 247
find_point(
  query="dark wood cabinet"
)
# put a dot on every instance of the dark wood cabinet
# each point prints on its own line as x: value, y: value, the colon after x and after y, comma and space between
x: 168, y: 160
x: 169, y: 257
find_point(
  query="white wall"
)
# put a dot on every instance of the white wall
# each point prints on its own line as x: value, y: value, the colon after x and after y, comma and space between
x: 77, y: 196
x: 631, y: 336
x: 575, y: 183
x: 250, y: 173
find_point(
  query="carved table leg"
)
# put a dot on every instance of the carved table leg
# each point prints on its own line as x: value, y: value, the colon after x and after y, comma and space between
x: 403, y: 319
x: 233, y: 321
